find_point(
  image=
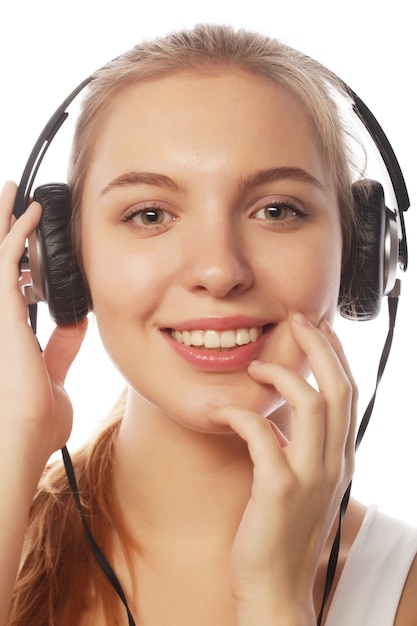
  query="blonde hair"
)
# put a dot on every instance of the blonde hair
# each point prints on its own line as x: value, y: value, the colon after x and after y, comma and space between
x: 59, y: 578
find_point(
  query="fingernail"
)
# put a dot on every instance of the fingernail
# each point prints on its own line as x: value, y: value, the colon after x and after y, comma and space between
x: 282, y: 440
x: 325, y: 327
x: 301, y: 319
x: 255, y: 363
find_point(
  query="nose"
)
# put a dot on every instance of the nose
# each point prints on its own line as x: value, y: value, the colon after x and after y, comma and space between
x: 219, y: 262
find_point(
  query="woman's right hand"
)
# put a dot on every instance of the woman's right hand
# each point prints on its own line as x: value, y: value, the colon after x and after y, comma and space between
x: 35, y: 410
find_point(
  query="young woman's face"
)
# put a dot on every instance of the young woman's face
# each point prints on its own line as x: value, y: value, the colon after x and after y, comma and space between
x: 209, y: 217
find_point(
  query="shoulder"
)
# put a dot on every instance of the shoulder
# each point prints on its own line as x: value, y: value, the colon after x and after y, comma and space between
x: 407, y: 607
x: 382, y: 557
x: 389, y: 547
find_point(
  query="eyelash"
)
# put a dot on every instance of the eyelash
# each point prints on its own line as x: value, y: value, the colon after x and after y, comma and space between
x: 129, y: 218
x: 295, y: 213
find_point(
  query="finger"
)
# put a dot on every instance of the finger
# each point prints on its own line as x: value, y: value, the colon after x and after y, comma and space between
x: 281, y: 438
x: 7, y: 198
x: 335, y: 342
x: 263, y: 444
x: 62, y: 348
x: 13, y: 243
x: 308, y: 427
x: 335, y: 388
x: 11, y: 250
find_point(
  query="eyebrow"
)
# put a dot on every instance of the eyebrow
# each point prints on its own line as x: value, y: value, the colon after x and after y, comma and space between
x: 272, y: 174
x: 260, y: 177
x: 134, y: 179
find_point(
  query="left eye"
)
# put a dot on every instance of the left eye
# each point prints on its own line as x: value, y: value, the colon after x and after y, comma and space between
x: 277, y: 212
x: 151, y: 217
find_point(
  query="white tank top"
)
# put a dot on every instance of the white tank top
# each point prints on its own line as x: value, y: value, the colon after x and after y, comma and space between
x: 375, y: 572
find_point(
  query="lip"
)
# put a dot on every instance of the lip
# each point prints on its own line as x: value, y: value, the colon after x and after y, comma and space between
x: 211, y: 360
x: 221, y: 323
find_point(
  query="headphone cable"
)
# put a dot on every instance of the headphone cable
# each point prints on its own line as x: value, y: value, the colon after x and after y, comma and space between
x: 96, y: 550
x: 69, y: 469
x: 393, y: 299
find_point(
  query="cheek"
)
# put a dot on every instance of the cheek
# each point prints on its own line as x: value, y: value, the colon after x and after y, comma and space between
x: 309, y: 280
x: 122, y: 281
x: 310, y: 284
x: 126, y: 289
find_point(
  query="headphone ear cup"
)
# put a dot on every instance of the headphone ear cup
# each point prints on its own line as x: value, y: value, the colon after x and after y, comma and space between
x: 62, y: 280
x: 362, y: 283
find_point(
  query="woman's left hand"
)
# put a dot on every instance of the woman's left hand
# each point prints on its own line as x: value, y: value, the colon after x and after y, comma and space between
x: 297, y: 486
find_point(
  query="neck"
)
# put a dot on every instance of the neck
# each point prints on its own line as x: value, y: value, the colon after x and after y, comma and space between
x: 169, y: 478
x: 176, y: 486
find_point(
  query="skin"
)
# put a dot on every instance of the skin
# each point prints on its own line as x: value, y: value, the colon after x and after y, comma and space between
x: 209, y: 465
x: 218, y: 260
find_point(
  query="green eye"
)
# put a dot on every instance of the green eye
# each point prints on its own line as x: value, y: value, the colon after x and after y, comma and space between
x: 281, y: 214
x: 148, y: 218
x: 152, y: 217
x: 276, y: 212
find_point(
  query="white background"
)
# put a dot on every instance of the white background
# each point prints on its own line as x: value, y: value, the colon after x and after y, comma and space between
x: 48, y: 47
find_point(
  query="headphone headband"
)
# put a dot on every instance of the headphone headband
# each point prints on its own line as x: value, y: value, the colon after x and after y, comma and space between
x: 391, y: 163
x: 361, y: 291
x: 40, y: 148
x: 365, y: 115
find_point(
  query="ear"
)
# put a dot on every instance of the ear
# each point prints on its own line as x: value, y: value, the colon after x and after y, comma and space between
x: 362, y: 282
x: 53, y: 260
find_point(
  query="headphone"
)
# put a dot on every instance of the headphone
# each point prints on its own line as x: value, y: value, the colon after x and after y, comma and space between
x: 378, y: 246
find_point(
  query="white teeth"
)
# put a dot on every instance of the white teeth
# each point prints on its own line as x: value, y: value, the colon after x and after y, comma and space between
x: 242, y: 337
x: 213, y: 339
x: 254, y: 334
x: 177, y: 336
x: 191, y: 338
x: 228, y: 339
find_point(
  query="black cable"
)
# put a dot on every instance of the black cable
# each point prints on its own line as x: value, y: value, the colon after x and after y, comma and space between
x: 393, y: 298
x: 69, y: 468
x: 100, y: 558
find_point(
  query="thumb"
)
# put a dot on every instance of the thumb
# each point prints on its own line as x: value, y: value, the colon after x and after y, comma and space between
x: 62, y: 348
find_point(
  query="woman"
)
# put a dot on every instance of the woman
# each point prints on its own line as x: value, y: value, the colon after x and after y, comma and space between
x: 212, y: 218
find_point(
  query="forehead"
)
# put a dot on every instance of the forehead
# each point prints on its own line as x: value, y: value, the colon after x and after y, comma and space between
x: 222, y: 117
x: 223, y: 95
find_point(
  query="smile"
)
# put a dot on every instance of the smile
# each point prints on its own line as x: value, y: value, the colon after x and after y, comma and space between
x: 221, y: 349
x: 215, y: 340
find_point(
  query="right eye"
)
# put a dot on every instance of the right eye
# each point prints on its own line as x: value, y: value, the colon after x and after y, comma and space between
x: 148, y: 218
